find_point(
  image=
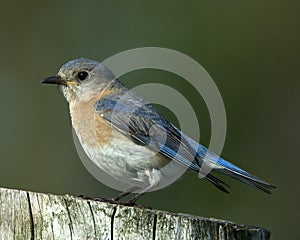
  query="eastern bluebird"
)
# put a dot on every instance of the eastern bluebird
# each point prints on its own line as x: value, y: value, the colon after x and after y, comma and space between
x: 127, y: 138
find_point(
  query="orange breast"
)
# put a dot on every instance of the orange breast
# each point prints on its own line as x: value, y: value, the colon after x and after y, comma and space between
x: 91, y: 128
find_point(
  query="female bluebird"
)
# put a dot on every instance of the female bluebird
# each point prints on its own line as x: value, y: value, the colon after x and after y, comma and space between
x: 128, y: 139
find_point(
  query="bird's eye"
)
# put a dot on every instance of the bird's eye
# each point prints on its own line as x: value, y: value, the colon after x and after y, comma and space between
x: 82, y: 75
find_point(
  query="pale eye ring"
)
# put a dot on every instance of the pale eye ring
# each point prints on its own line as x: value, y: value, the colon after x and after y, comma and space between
x: 82, y: 75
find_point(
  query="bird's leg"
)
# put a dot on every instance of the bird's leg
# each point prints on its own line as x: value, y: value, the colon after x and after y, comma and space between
x: 132, y: 200
x: 154, y: 177
x: 124, y: 194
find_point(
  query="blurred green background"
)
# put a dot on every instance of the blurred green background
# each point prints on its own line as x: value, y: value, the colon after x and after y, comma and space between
x: 250, y: 48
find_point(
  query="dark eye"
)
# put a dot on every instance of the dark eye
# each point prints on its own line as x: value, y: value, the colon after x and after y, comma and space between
x: 82, y: 75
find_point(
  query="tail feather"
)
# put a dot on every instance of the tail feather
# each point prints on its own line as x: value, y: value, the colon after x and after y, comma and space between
x: 219, y: 165
x: 217, y: 182
x: 205, y: 158
x: 248, y: 179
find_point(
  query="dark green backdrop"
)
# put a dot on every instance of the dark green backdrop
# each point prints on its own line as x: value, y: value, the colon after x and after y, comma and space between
x: 250, y: 48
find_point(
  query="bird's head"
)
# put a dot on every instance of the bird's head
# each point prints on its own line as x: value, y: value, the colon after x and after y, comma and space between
x: 81, y: 78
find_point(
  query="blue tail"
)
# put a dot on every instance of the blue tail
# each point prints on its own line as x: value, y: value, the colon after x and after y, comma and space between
x: 219, y: 165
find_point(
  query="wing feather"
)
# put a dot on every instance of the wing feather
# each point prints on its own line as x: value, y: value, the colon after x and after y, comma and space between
x: 139, y: 121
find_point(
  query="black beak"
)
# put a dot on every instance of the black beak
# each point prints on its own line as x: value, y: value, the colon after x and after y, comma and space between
x: 54, y: 80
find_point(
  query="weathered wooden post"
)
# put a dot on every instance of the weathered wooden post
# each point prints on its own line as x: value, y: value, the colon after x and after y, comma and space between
x: 29, y: 215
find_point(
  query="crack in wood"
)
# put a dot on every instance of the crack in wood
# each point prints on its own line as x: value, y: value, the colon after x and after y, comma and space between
x: 112, y: 224
x: 93, y: 218
x: 154, y: 226
x: 31, y: 216
x: 69, y: 215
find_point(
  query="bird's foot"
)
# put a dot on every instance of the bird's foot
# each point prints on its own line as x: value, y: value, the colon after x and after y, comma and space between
x: 100, y: 199
x: 128, y: 203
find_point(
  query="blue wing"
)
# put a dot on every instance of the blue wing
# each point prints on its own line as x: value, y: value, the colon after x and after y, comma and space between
x: 134, y: 117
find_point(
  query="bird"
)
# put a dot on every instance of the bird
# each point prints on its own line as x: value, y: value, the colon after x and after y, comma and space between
x: 127, y: 138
